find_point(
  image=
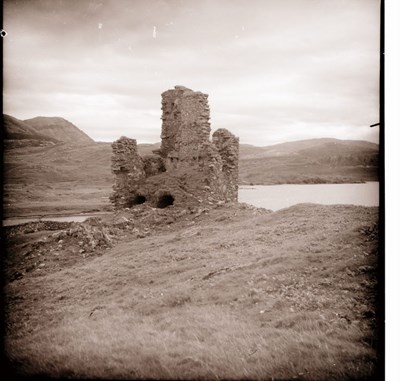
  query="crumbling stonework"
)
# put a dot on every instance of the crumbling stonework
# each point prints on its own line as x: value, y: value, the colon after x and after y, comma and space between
x: 188, y: 168
x: 128, y: 168
x: 228, y: 148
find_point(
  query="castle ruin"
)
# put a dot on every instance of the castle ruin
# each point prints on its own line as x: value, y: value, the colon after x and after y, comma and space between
x: 188, y: 168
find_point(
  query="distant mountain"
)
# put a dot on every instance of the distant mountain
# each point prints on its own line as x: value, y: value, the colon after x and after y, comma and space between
x: 41, y: 131
x: 15, y: 129
x: 313, y: 147
x: 310, y: 161
x: 58, y: 128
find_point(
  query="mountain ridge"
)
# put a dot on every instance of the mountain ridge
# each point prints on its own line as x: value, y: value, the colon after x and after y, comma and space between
x: 42, y: 130
x: 58, y: 129
x: 249, y: 151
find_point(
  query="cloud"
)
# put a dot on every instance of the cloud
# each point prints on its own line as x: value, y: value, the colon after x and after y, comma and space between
x: 274, y: 70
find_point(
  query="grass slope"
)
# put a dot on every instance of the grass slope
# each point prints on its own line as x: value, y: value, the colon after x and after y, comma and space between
x: 321, y: 145
x: 58, y: 178
x: 15, y: 129
x: 69, y: 178
x: 60, y: 129
x: 234, y: 293
x: 311, y: 161
x: 299, y: 170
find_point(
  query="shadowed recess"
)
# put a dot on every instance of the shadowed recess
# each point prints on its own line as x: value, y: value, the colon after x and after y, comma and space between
x: 165, y: 200
x: 137, y: 200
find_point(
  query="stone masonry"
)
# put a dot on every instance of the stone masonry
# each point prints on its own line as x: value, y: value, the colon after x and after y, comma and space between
x: 188, y: 168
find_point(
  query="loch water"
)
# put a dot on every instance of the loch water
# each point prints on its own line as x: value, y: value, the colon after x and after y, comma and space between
x: 277, y: 197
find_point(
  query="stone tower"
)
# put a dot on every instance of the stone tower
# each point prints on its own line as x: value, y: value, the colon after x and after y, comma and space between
x: 185, y: 125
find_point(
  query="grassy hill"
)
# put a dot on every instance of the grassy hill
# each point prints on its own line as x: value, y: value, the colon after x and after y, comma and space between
x: 316, y: 147
x: 225, y: 293
x: 42, y: 130
x: 219, y: 292
x: 52, y: 166
x: 19, y: 133
x: 310, y: 161
x: 56, y: 178
x: 60, y: 129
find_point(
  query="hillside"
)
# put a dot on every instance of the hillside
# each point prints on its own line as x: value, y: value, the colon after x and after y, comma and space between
x: 224, y: 293
x: 322, y: 146
x: 21, y: 132
x: 58, y: 178
x: 42, y: 130
x: 45, y: 175
x: 310, y: 161
x: 204, y: 292
x: 60, y: 129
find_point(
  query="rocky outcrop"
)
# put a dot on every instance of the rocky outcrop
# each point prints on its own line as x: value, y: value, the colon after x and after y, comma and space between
x: 188, y: 168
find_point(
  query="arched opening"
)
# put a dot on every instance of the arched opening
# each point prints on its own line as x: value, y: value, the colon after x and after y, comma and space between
x: 165, y: 200
x: 139, y: 199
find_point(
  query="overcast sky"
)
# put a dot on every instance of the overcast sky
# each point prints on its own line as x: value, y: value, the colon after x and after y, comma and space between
x: 275, y: 70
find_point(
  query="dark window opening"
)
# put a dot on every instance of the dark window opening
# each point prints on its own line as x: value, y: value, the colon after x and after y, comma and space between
x: 165, y: 201
x: 139, y: 199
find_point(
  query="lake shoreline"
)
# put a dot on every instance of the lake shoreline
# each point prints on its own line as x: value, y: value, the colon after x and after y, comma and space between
x: 276, y: 197
x: 62, y: 217
x: 309, y: 183
x: 274, y: 201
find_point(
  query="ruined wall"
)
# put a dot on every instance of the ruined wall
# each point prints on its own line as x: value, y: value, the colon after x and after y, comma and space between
x: 188, y: 167
x: 227, y: 145
x: 153, y: 165
x: 129, y: 172
x: 185, y: 126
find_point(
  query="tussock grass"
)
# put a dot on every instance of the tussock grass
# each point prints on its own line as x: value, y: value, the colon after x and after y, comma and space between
x: 276, y: 295
x: 191, y: 343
